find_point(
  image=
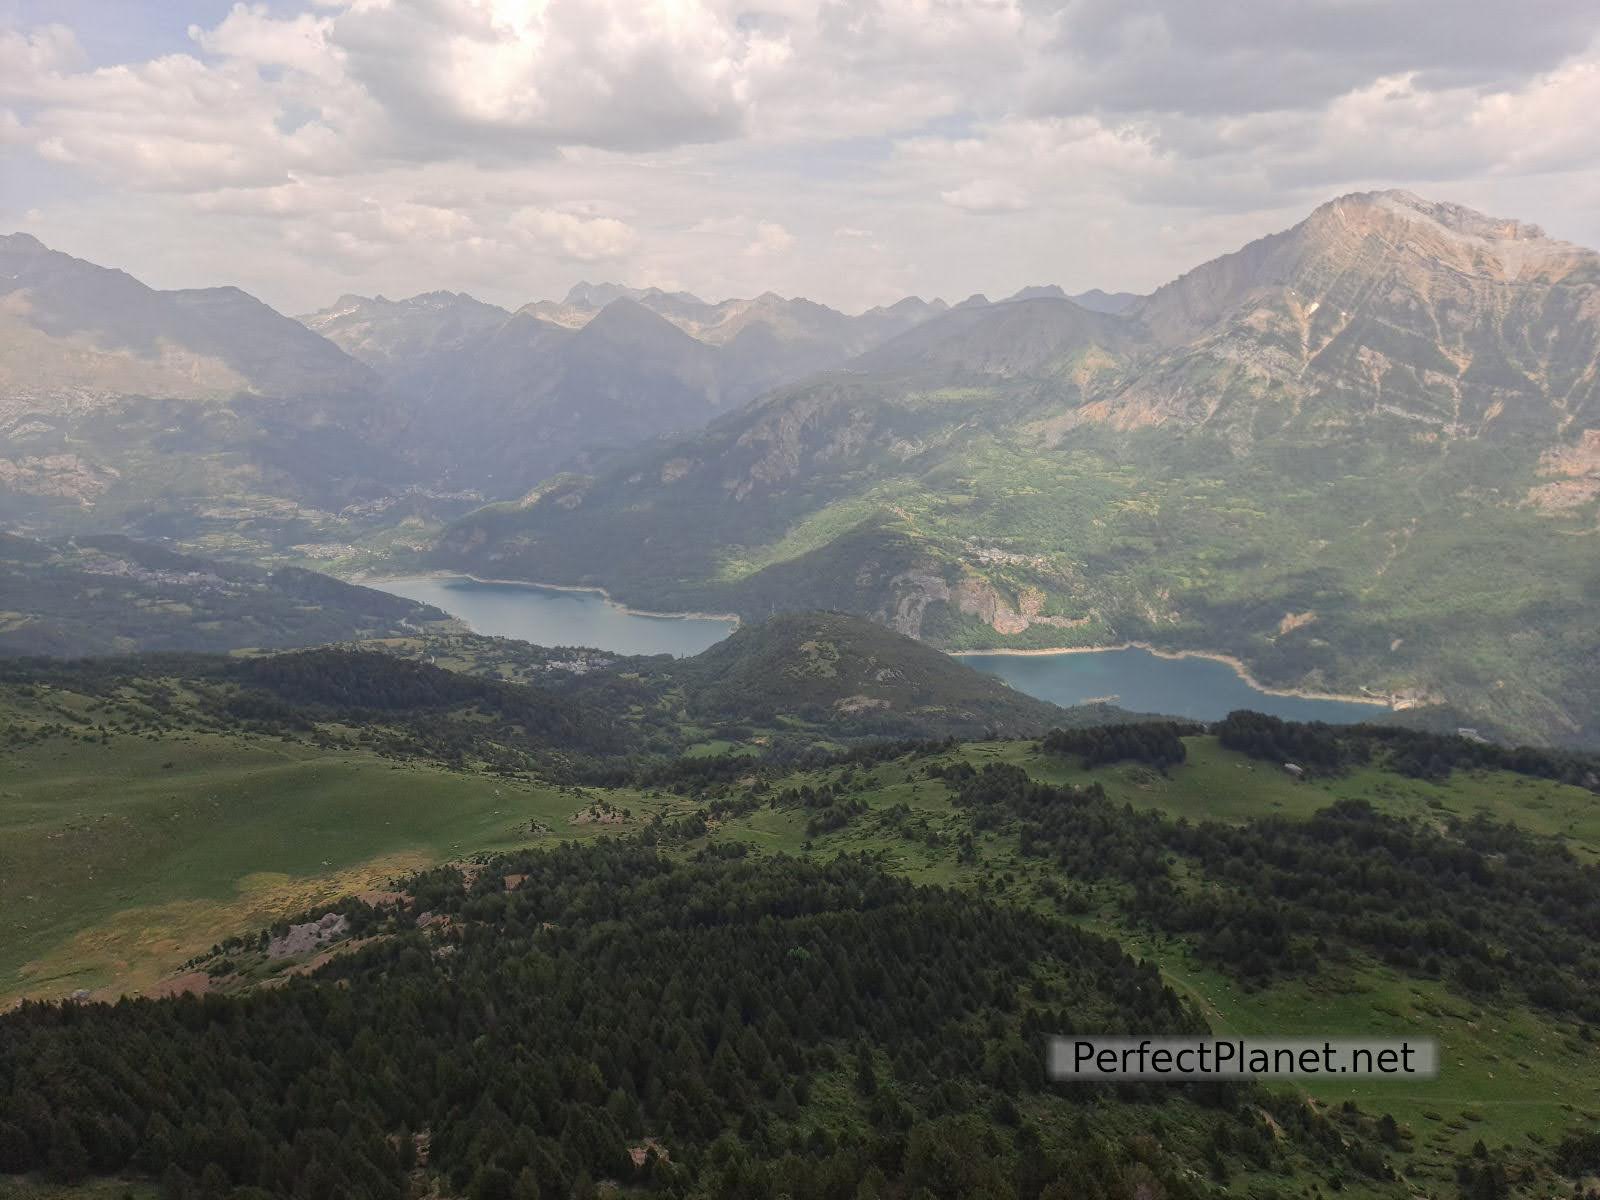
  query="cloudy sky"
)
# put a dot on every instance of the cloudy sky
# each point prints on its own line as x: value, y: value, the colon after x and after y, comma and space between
x: 852, y: 151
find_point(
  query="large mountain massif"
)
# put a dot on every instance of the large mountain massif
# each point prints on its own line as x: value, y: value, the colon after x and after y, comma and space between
x: 205, y: 415
x: 121, y: 404
x: 1364, y: 452
x: 1360, y: 453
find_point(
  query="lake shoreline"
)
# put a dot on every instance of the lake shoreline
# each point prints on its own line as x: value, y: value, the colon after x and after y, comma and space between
x: 375, y: 581
x: 1235, y: 664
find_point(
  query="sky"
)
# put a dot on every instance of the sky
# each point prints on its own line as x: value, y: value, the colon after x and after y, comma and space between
x: 850, y: 151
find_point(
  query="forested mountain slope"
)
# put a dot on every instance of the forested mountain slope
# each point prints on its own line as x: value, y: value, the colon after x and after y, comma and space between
x: 841, y: 670
x: 723, y: 1025
x: 766, y: 908
x: 781, y: 688
x: 113, y: 595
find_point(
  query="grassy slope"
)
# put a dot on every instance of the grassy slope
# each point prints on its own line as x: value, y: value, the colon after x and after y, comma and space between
x: 125, y: 856
x: 120, y: 868
x: 1219, y: 784
x: 132, y: 866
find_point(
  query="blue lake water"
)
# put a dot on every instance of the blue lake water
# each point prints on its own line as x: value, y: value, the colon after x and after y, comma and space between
x: 1200, y: 688
x: 552, y: 617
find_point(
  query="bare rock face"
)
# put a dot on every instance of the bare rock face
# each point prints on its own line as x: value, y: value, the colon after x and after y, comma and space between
x: 1575, y: 469
x: 1379, y: 306
x: 301, y: 939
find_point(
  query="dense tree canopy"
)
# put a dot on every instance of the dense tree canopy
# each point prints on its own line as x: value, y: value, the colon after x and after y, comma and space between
x: 1483, y: 903
x: 729, y: 1026
x: 1156, y: 743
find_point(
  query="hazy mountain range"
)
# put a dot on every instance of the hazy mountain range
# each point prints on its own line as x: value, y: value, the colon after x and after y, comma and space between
x: 108, y: 386
x: 1360, y: 453
x: 563, y: 384
x: 1364, y: 452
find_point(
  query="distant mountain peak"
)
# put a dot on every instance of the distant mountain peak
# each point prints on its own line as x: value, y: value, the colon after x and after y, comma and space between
x: 912, y: 304
x: 1112, y: 303
x: 22, y: 241
x: 625, y: 307
x: 1045, y: 291
x: 1334, y: 256
x: 1456, y: 218
x: 584, y: 294
x: 1095, y: 300
x: 87, y: 328
x: 627, y: 317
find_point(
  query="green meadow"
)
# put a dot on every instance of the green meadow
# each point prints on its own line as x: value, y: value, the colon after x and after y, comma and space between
x: 120, y: 860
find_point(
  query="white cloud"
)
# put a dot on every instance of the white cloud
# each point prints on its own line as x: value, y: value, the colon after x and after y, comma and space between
x: 770, y: 238
x: 28, y: 60
x: 175, y: 123
x: 505, y: 146
x: 250, y: 34
x: 1543, y: 126
x: 986, y: 197
x: 496, y: 77
x: 11, y: 128
x: 584, y: 239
